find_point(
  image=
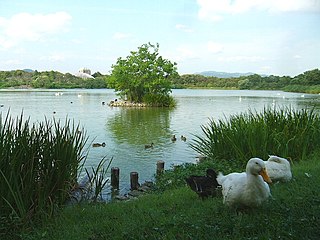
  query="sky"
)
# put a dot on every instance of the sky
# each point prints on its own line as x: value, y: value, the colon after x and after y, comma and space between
x: 278, y: 37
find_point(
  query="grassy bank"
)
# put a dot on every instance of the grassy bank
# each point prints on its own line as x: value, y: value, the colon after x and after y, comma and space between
x: 292, y: 213
x: 174, y: 211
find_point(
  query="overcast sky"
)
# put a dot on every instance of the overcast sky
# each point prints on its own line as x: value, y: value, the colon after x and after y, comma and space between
x: 280, y: 37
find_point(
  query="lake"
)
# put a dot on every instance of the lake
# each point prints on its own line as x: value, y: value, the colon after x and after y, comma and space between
x: 126, y: 130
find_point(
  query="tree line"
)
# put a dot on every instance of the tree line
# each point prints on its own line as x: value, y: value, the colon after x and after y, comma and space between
x: 308, y: 81
x: 49, y: 80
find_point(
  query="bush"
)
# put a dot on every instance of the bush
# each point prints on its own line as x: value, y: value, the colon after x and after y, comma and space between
x: 158, y: 100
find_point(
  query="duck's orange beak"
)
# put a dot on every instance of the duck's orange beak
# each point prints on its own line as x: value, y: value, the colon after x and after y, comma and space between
x: 265, y: 175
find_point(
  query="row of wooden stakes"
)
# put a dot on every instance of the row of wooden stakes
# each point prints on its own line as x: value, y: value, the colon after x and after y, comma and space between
x: 134, y: 176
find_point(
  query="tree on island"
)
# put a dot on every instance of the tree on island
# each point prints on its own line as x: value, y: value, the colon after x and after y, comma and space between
x: 144, y: 77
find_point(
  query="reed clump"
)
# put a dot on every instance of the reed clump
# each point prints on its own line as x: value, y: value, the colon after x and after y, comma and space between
x: 286, y: 132
x: 39, y: 163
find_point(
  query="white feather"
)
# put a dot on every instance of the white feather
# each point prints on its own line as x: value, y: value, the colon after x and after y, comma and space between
x: 246, y: 189
x: 278, y: 168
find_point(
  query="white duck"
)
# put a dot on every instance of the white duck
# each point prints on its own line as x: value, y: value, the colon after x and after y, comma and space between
x: 278, y: 168
x: 246, y: 189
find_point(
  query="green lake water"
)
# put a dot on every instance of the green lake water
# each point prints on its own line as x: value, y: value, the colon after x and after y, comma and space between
x: 126, y: 130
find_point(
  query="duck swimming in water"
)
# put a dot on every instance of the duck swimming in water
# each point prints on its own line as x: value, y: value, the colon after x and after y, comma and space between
x: 173, y: 138
x: 99, y: 144
x: 148, y: 146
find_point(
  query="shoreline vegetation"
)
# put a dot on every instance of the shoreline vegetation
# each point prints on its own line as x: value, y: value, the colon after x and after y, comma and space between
x: 31, y: 209
x: 307, y: 82
x: 292, y: 213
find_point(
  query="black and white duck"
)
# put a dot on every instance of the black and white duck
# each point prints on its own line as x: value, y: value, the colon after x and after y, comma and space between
x: 204, y: 186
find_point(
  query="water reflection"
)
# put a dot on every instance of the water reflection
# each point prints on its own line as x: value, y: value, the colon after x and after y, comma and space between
x: 131, y: 129
x: 140, y: 126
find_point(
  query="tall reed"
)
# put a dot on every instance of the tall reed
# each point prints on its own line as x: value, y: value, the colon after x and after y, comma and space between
x: 39, y: 164
x: 98, y: 179
x: 281, y: 131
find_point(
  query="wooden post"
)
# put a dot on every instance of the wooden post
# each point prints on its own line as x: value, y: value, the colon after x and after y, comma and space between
x: 134, y: 180
x: 160, y: 167
x: 115, y: 177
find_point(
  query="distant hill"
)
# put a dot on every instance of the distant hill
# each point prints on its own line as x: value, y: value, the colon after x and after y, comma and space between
x: 223, y: 74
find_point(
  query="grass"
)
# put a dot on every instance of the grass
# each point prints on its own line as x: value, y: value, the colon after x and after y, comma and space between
x: 159, y: 100
x: 277, y: 131
x: 39, y: 165
x: 292, y: 213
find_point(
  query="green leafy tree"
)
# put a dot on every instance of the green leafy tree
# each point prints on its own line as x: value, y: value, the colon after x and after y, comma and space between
x: 308, y: 78
x: 144, y: 76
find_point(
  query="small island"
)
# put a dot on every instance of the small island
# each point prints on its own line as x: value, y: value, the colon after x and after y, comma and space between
x: 146, y: 77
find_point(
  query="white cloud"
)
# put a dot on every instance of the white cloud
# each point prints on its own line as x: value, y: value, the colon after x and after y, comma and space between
x: 55, y: 57
x: 293, y: 5
x: 214, y: 47
x: 31, y: 27
x: 77, y: 41
x: 215, y: 9
x: 188, y: 52
x: 119, y: 35
x: 185, y: 52
x: 183, y: 28
x: 241, y: 58
x: 297, y: 56
x: 11, y: 62
x: 5, y: 43
x: 180, y: 53
x: 266, y: 68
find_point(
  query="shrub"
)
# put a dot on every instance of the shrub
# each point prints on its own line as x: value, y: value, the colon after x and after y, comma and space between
x: 159, y: 100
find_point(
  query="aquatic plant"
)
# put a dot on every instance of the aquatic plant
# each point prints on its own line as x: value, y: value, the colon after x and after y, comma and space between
x: 282, y: 131
x: 98, y: 179
x: 39, y: 164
